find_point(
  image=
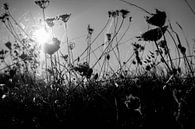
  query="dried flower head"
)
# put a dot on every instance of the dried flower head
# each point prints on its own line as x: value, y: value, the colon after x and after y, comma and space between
x: 124, y: 13
x: 153, y: 34
x: 64, y: 17
x: 158, y: 19
x: 84, y: 69
x: 42, y: 3
x: 108, y: 36
x: 51, y: 48
x: 90, y: 30
x: 6, y: 6
x: 50, y: 22
x: 4, y: 17
x: 182, y: 49
x: 8, y: 45
x: 71, y: 45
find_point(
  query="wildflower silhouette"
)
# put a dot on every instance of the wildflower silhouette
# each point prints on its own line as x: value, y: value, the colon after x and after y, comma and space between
x: 24, y: 57
x: 153, y: 34
x: 51, y: 48
x: 157, y: 19
x: 2, y: 54
x: 108, y: 56
x: 84, y: 69
x: 95, y: 77
x: 182, y: 49
x: 71, y: 45
x: 6, y: 6
x: 90, y: 30
x: 42, y: 3
x: 65, y: 57
x: 8, y: 45
x: 116, y: 13
x: 50, y: 22
x: 4, y: 17
x: 124, y: 13
x: 138, y: 48
x: 148, y: 68
x: 64, y: 17
x: 108, y: 36
x: 110, y: 14
x: 162, y: 43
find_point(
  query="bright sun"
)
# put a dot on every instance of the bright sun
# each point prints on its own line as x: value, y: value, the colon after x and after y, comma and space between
x: 42, y: 35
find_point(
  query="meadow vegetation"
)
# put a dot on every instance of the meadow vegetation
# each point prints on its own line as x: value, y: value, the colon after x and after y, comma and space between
x: 151, y: 90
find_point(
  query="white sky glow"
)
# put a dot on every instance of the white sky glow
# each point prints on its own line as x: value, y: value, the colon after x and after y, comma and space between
x: 42, y: 35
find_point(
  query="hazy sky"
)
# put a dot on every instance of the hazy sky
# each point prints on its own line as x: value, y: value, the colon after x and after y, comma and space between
x: 94, y: 12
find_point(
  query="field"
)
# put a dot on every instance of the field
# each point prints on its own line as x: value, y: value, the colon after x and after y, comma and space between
x: 41, y: 87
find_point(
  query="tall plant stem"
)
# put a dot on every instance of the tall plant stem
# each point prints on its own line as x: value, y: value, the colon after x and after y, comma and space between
x: 95, y: 38
x: 188, y: 4
x: 176, y: 47
x: 67, y: 41
x: 89, y: 47
x: 166, y: 47
x: 52, y: 67
x: 185, y: 57
x: 136, y: 6
x: 68, y: 49
x: 188, y: 45
x: 117, y: 43
x: 109, y: 43
x: 46, y: 65
x: 162, y: 57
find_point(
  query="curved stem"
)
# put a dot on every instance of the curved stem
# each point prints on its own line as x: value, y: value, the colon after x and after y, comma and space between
x: 166, y: 47
x: 18, y: 25
x: 188, y: 45
x: 126, y: 62
x: 136, y: 6
x: 109, y: 44
x: 162, y: 57
x: 67, y: 41
x: 175, y: 46
x: 189, y: 6
x: 185, y: 57
x: 118, y: 51
x: 94, y: 39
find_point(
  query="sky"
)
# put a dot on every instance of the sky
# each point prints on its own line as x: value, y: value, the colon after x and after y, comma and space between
x: 94, y: 12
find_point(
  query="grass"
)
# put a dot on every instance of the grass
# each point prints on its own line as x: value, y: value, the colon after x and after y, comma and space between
x: 157, y: 92
x: 138, y: 102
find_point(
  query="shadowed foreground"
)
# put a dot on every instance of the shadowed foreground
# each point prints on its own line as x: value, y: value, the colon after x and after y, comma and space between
x: 121, y: 102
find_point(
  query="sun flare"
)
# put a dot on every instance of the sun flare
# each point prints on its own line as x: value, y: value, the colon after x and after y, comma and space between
x: 42, y: 35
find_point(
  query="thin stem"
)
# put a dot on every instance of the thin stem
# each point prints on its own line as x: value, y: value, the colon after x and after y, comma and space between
x: 67, y: 41
x: 43, y: 12
x: 162, y: 56
x: 188, y: 45
x: 88, y: 45
x: 52, y: 67
x: 94, y: 38
x: 126, y: 62
x: 108, y: 44
x: 118, y: 51
x: 103, y: 67
x: 166, y: 47
x: 136, y: 6
x: 185, y: 57
x: 175, y: 46
x: 188, y: 4
x: 18, y: 25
